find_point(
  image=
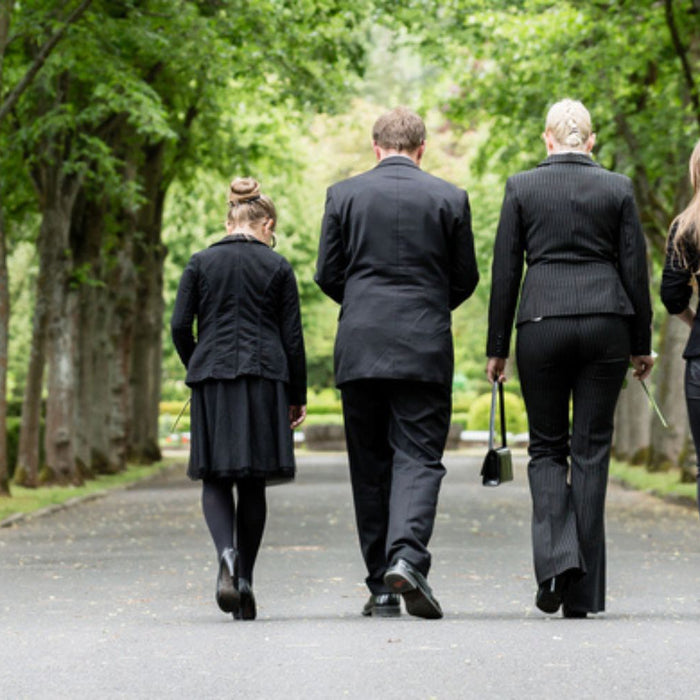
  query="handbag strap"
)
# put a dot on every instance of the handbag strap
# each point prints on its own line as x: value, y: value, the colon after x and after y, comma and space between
x: 497, y: 395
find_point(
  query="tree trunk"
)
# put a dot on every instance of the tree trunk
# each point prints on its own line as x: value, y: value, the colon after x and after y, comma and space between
x: 4, y: 347
x: 122, y: 302
x: 62, y: 330
x: 149, y: 256
x: 5, y: 13
x: 632, y: 424
x: 667, y: 444
x: 27, y: 467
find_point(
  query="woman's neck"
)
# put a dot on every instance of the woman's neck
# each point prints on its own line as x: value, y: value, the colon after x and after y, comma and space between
x: 245, y: 230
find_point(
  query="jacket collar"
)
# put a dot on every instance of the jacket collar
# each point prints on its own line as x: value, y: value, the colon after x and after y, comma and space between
x: 571, y: 157
x: 236, y: 238
x: 396, y: 160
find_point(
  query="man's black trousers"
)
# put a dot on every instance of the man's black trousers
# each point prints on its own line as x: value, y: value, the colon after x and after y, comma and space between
x: 396, y: 432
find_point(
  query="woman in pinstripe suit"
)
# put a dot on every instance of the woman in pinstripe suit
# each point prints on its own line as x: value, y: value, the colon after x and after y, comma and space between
x: 584, y: 315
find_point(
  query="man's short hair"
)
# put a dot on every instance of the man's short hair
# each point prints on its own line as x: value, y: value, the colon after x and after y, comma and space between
x: 400, y: 129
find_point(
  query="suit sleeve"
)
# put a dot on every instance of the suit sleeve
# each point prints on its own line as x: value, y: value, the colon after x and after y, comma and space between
x: 634, y: 274
x: 676, y: 280
x: 184, y: 312
x: 331, y: 263
x: 293, y: 337
x: 464, y: 273
x: 506, y: 274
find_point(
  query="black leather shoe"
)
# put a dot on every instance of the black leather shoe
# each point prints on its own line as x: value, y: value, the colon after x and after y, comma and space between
x: 382, y: 605
x: 227, y: 596
x: 549, y: 593
x: 247, y: 609
x: 573, y: 614
x: 405, y: 579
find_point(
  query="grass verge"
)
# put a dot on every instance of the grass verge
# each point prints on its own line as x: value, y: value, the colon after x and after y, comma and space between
x: 663, y: 484
x: 27, y: 501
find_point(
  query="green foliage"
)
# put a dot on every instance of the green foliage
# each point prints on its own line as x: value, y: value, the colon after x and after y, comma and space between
x: 480, y: 411
x: 512, y: 59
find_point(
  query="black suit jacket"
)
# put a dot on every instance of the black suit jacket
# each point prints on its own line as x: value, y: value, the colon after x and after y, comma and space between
x: 576, y: 225
x: 244, y: 297
x: 676, y: 290
x: 397, y: 252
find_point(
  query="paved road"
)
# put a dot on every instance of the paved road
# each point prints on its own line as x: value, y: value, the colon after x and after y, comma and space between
x: 114, y: 599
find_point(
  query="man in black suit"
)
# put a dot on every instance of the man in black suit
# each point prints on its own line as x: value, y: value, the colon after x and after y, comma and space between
x: 397, y: 253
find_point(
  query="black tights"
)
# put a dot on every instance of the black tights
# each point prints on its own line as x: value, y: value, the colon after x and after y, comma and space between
x: 247, y: 522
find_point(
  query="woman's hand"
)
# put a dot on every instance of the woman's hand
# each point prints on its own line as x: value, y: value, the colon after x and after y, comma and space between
x: 495, y: 369
x: 642, y: 365
x: 296, y: 416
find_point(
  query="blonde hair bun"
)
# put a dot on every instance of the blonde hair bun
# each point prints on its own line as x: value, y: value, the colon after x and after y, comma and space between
x: 242, y: 190
x: 569, y: 122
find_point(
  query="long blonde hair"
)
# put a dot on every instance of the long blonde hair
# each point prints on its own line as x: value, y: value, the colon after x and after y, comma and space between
x: 686, y: 226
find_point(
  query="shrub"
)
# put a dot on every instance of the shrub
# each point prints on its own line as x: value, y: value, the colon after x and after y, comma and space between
x: 480, y: 411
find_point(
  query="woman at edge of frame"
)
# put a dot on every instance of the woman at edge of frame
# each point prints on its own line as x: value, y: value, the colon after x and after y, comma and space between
x: 681, y: 274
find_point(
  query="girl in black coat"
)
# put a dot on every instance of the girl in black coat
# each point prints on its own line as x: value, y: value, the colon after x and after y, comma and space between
x: 246, y: 368
x: 682, y: 273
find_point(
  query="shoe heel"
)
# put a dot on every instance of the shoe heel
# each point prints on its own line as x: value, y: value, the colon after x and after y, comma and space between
x: 227, y: 594
x: 247, y: 610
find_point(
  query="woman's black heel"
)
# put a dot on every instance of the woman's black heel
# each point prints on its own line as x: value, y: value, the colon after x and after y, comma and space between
x: 227, y: 594
x: 247, y: 609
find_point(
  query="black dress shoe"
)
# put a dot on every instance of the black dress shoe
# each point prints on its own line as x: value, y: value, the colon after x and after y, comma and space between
x: 227, y: 595
x: 247, y: 609
x: 552, y: 592
x: 573, y: 614
x: 405, y: 579
x: 382, y: 605
x: 548, y: 598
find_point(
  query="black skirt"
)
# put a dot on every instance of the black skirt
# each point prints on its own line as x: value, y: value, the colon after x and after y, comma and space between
x: 240, y: 428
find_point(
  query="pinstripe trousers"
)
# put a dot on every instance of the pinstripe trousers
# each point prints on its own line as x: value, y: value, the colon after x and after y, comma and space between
x: 571, y: 366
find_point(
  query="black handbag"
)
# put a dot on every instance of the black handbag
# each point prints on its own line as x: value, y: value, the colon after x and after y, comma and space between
x: 498, y: 464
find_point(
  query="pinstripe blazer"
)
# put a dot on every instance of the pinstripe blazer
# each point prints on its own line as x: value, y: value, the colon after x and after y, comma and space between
x: 397, y: 252
x: 576, y: 226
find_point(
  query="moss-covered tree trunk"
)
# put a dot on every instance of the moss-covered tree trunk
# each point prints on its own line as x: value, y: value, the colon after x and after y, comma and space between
x: 27, y: 467
x: 4, y: 348
x: 62, y: 332
x: 5, y: 12
x: 149, y: 256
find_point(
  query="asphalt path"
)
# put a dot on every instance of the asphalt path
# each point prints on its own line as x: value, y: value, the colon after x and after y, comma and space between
x: 113, y: 598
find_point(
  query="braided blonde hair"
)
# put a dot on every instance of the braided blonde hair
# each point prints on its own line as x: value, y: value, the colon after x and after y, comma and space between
x: 569, y: 122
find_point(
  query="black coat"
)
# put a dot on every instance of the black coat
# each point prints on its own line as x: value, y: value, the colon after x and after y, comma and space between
x: 397, y: 252
x: 245, y: 299
x: 577, y: 227
x: 676, y: 291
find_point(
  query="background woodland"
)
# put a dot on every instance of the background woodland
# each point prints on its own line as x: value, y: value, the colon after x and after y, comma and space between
x: 122, y: 122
